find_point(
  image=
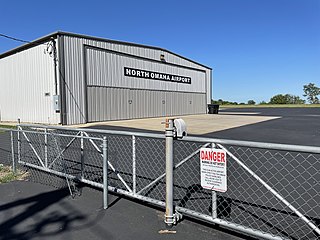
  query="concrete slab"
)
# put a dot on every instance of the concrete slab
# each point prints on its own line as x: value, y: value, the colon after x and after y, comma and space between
x: 196, y: 124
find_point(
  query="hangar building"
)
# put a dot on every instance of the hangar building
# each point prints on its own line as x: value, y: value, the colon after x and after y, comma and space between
x: 67, y: 78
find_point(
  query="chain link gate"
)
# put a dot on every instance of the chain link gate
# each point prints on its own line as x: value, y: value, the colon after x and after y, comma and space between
x: 72, y: 155
x: 273, y: 192
x: 273, y: 189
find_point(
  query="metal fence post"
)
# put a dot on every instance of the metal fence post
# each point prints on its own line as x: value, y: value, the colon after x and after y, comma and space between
x: 105, y: 173
x: 134, y: 177
x: 14, y: 167
x: 169, y: 217
x: 19, y: 141
x: 46, y: 147
x: 82, y: 155
x: 214, y: 197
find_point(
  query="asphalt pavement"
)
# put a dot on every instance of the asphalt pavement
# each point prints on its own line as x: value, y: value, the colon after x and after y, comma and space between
x: 300, y: 126
x: 34, y: 211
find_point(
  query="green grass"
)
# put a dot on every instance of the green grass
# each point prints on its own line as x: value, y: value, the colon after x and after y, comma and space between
x: 7, y: 127
x: 272, y: 106
x: 8, y: 178
x: 6, y: 174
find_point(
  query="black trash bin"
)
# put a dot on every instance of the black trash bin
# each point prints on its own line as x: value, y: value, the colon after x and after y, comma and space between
x: 213, y: 108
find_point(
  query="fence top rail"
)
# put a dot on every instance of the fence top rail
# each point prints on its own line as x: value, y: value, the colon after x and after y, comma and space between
x: 49, y: 133
x: 261, y: 145
x: 240, y: 143
x: 102, y: 131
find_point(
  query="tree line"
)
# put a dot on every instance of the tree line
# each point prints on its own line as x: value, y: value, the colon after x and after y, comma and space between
x: 311, y: 92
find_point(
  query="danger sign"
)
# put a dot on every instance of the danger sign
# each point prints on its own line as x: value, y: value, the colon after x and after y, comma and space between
x: 213, y: 169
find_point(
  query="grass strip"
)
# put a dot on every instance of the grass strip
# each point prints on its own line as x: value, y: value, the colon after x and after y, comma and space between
x: 6, y: 174
x: 7, y: 127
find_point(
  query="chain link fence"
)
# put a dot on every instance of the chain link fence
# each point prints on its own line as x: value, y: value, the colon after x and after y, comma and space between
x: 295, y: 176
x: 58, y: 157
x: 273, y: 190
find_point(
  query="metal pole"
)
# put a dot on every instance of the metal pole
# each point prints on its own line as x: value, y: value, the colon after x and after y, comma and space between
x: 82, y: 155
x: 14, y: 167
x: 214, y: 205
x: 105, y: 173
x: 214, y: 197
x: 19, y: 141
x: 169, y: 217
x: 46, y: 147
x: 134, y: 177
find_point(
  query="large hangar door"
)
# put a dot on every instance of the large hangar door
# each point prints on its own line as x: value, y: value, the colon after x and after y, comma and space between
x: 115, y: 90
x: 106, y: 103
x: 147, y: 103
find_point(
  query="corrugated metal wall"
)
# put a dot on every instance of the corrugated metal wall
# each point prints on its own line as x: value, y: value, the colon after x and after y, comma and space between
x: 75, y: 72
x: 107, y: 103
x: 107, y: 69
x: 25, y: 77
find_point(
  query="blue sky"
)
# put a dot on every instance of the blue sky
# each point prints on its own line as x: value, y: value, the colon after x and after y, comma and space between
x: 257, y: 48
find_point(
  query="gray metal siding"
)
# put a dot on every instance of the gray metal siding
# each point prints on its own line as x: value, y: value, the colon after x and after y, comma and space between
x: 107, y: 69
x: 25, y: 77
x: 108, y: 103
x: 75, y: 71
x: 209, y: 86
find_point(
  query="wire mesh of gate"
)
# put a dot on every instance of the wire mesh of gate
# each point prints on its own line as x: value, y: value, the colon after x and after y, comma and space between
x: 151, y: 168
x: 27, y: 149
x: 247, y: 202
x: 5, y: 148
x: 120, y: 162
x: 91, y: 159
x: 45, y: 152
x: 188, y: 192
x: 135, y: 162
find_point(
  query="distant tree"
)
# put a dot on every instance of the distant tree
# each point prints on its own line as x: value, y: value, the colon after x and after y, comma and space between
x: 292, y: 99
x: 242, y: 103
x: 286, y: 99
x: 219, y: 101
x: 311, y: 92
x: 263, y: 103
x: 251, y: 102
x: 278, y: 99
x: 222, y: 102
